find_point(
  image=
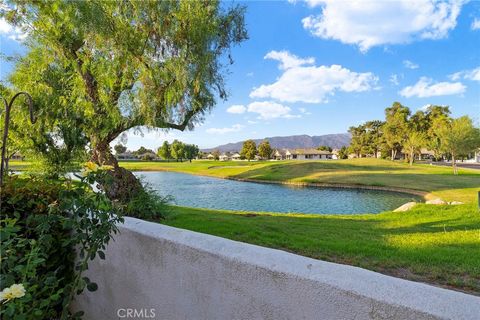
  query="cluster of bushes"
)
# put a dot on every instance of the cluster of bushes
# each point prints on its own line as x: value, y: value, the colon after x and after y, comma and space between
x: 50, y: 230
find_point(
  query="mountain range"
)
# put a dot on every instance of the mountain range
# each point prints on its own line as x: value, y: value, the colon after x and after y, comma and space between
x: 337, y: 140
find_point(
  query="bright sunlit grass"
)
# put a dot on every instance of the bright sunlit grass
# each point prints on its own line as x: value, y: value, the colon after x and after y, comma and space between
x: 435, y: 244
x: 430, y: 243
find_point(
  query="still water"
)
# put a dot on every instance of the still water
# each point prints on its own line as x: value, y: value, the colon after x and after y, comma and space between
x: 205, y: 192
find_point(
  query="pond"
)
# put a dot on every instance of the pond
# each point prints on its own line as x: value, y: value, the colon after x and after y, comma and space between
x: 214, y: 193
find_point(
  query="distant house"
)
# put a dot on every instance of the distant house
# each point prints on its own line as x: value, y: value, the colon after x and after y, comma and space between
x: 224, y: 157
x: 475, y: 158
x: 335, y: 154
x: 308, y: 154
x: 236, y: 156
x: 210, y: 156
x: 280, y: 154
x: 424, y: 154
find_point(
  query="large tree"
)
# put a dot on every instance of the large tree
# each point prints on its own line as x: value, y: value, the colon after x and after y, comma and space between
x: 395, y: 129
x: 457, y: 137
x: 177, y: 149
x: 164, y: 151
x: 249, y: 150
x: 265, y: 150
x: 438, y: 117
x: 126, y: 64
x: 413, y: 144
x: 191, y: 151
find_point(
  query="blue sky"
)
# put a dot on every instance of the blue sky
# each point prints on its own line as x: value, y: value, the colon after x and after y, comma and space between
x: 318, y: 67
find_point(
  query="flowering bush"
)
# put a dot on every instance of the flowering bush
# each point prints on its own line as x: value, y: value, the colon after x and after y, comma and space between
x: 50, y: 229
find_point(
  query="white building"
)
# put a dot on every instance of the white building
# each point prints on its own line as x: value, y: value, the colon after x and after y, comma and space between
x: 224, y: 157
x: 308, y: 154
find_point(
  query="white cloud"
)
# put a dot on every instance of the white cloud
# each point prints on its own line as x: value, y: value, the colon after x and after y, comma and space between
x: 425, y: 107
x: 475, y: 24
x: 312, y: 84
x: 304, y: 111
x: 270, y: 110
x: 238, y: 109
x: 234, y: 128
x: 373, y: 23
x: 13, y: 33
x: 425, y: 88
x: 473, y: 74
x: 288, y: 60
x: 394, y: 79
x: 410, y: 65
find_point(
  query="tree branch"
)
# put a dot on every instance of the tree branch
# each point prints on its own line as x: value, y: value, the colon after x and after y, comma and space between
x: 182, y: 126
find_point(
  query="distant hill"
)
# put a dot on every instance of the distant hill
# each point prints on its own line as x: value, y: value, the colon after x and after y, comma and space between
x: 289, y: 142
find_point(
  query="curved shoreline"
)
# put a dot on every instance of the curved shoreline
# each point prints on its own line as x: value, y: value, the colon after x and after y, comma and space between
x: 424, y: 194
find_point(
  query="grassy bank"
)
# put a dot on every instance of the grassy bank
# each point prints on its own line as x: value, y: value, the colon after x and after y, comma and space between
x: 434, y: 244
x: 439, y: 245
x: 439, y: 181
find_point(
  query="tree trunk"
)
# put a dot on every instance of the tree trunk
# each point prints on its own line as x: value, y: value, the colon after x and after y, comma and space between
x: 454, y: 165
x: 124, y: 185
x: 411, y: 158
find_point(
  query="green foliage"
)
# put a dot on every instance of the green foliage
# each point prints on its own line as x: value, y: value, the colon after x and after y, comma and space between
x: 56, y: 140
x: 324, y: 148
x: 123, y: 65
x: 50, y: 229
x: 343, y: 153
x: 395, y: 129
x: 164, y: 151
x: 191, y: 151
x: 120, y: 148
x: 264, y: 150
x: 216, y: 154
x: 147, y: 204
x: 249, y: 150
x: 178, y: 150
x: 413, y: 144
x: 458, y: 137
x: 148, y: 157
x: 367, y: 138
x: 141, y: 151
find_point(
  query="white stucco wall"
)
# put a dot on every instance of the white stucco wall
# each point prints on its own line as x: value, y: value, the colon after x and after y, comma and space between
x: 187, y: 275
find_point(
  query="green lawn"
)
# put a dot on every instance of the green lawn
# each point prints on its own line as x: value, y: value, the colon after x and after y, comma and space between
x: 431, y: 243
x: 439, y: 245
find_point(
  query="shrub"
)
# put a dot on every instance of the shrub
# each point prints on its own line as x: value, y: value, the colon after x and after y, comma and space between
x: 50, y: 229
x: 147, y: 204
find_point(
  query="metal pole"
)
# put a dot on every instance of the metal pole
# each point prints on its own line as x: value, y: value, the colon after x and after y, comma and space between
x: 8, y: 108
